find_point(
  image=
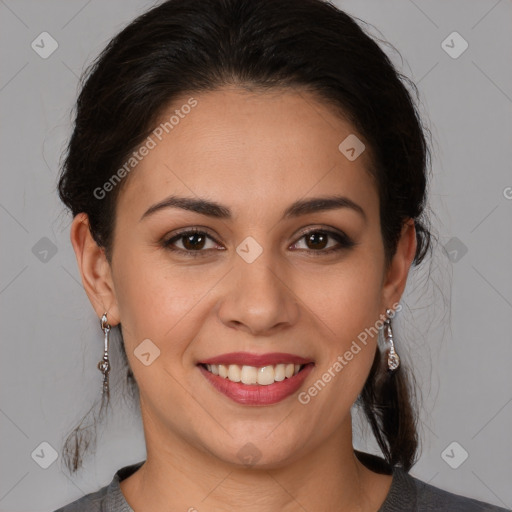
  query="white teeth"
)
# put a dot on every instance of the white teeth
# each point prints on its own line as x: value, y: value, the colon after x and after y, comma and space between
x: 234, y: 373
x: 279, y: 373
x: 263, y: 375
x: 266, y: 375
x: 249, y: 375
x: 223, y: 370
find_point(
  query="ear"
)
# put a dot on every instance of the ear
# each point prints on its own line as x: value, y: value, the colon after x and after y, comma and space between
x: 396, y: 275
x: 95, y: 269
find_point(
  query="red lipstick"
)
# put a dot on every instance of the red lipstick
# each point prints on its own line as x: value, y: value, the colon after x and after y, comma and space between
x: 256, y: 394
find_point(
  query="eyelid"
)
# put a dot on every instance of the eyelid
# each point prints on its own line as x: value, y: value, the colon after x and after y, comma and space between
x: 166, y: 240
x: 324, y: 228
x: 194, y: 229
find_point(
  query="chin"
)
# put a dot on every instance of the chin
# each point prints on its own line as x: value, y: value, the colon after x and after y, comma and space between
x: 258, y: 452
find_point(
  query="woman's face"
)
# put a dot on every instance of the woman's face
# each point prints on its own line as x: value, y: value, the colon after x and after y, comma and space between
x: 257, y: 281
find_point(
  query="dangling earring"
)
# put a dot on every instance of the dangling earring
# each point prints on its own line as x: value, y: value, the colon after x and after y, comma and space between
x: 393, y: 359
x: 104, y: 364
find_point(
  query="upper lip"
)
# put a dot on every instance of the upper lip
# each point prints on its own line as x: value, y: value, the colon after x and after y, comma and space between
x: 248, y: 359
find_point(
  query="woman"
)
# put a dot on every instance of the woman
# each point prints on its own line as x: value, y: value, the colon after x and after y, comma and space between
x: 248, y: 182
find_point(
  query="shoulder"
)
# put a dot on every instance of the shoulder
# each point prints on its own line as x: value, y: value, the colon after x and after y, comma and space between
x: 106, y: 499
x: 428, y: 498
x: 408, y: 494
x: 89, y: 503
x: 434, y: 498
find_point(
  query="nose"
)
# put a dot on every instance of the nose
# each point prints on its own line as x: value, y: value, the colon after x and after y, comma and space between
x: 258, y: 297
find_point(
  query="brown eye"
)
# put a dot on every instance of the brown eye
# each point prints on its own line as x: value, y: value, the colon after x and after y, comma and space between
x: 193, y: 242
x: 317, y: 241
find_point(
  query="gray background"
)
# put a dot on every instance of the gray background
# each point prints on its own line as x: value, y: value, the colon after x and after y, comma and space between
x: 455, y: 328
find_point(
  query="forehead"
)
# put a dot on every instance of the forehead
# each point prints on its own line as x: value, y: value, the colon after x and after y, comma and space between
x: 246, y: 149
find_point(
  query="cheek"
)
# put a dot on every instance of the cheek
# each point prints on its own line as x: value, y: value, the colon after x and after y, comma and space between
x: 347, y: 353
x: 347, y: 305
x: 160, y: 302
x: 346, y: 297
x: 144, y: 301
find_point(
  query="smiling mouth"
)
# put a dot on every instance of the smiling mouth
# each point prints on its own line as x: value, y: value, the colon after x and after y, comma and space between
x: 255, y: 375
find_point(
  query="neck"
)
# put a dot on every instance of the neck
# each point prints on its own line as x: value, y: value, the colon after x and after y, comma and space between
x: 330, y: 477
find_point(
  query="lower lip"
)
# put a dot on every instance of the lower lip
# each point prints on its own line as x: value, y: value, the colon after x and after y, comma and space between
x: 255, y: 394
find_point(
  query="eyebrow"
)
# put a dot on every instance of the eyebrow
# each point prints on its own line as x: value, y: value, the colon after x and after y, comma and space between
x: 218, y: 211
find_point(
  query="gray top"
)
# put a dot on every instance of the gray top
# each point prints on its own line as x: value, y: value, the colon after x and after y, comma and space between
x: 406, y: 494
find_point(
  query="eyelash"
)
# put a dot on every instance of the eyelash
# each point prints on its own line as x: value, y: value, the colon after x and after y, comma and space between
x: 344, y: 241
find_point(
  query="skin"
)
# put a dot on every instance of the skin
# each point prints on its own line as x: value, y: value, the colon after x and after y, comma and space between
x: 256, y: 153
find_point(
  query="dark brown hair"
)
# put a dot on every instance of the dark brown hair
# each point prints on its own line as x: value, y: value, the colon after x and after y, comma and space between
x: 188, y: 46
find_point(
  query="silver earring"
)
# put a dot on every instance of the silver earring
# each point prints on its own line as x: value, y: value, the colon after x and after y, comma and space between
x: 104, y: 364
x: 393, y: 359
